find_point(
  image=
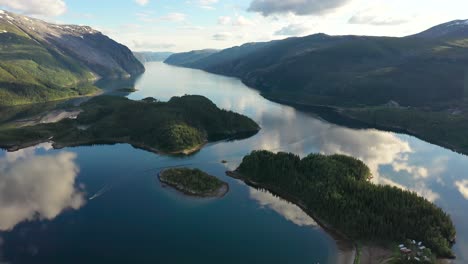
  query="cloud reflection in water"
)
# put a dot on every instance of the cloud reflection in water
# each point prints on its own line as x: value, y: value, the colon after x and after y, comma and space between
x: 288, y: 210
x: 37, y: 187
x: 285, y: 129
x: 462, y: 188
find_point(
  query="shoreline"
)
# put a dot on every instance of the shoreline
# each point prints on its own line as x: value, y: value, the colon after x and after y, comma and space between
x: 90, y: 95
x: 219, y: 193
x: 56, y: 145
x: 136, y: 145
x: 347, y: 249
x: 340, y: 113
x: 341, y: 118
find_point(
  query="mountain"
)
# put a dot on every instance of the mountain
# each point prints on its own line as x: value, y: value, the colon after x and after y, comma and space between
x: 350, y: 70
x: 40, y: 61
x: 453, y: 29
x: 148, y: 56
x: 187, y: 59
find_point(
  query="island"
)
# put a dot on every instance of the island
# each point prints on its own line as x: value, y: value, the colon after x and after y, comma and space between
x: 194, y: 182
x: 337, y: 192
x: 180, y: 126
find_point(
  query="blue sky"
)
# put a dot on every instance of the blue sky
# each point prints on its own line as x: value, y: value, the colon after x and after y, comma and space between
x: 179, y: 25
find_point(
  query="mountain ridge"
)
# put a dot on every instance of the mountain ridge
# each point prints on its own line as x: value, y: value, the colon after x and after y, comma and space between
x: 41, y: 61
x: 349, y: 69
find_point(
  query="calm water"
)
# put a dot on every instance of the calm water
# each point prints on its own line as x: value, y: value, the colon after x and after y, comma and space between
x: 103, y: 203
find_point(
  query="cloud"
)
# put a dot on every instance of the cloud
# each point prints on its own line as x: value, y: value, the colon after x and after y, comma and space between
x: 148, y: 16
x: 293, y: 30
x: 417, y: 172
x: 207, y: 4
x: 191, y: 28
x: 152, y: 46
x: 174, y: 17
x: 142, y: 2
x: 298, y: 7
x: 36, y: 7
x: 462, y: 188
x: 37, y: 187
x: 378, y: 16
x: 224, y: 20
x: 242, y: 21
x: 222, y: 36
x: 238, y: 21
x: 288, y: 210
x: 420, y: 188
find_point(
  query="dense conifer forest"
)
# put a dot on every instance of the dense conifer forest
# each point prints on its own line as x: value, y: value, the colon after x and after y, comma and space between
x: 338, y: 191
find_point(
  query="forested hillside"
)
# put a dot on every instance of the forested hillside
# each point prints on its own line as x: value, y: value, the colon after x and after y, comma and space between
x: 416, y: 70
x: 182, y: 125
x: 40, y: 61
x: 336, y: 190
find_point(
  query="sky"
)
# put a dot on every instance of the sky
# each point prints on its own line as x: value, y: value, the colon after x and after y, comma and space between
x: 182, y: 25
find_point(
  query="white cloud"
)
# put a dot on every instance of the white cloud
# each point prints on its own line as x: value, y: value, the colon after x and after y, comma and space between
x: 152, y: 46
x: 207, y: 4
x: 36, y: 7
x: 222, y: 36
x: 142, y: 2
x: 293, y: 30
x: 298, y: 7
x: 380, y: 15
x: 174, y: 17
x: 224, y: 20
x: 37, y: 187
x: 417, y: 172
x: 242, y: 21
x: 462, y: 188
x: 148, y: 17
x: 239, y: 21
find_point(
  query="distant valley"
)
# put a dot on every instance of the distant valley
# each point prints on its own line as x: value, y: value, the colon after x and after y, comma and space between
x: 149, y: 56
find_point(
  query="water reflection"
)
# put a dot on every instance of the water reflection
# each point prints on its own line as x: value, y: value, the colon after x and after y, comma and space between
x: 285, y: 129
x: 395, y: 159
x: 36, y: 187
x: 288, y: 210
x: 462, y: 188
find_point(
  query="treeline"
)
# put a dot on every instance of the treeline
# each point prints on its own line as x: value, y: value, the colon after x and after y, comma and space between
x: 194, y: 181
x: 175, y: 126
x: 338, y: 191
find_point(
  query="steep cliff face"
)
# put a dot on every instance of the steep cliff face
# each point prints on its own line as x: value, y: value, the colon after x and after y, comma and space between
x: 40, y: 61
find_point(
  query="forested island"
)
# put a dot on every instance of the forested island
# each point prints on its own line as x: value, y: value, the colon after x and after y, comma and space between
x: 194, y: 182
x: 180, y: 126
x: 337, y: 192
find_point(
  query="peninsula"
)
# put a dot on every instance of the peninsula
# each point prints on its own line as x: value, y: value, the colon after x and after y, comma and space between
x: 337, y: 192
x: 180, y: 126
